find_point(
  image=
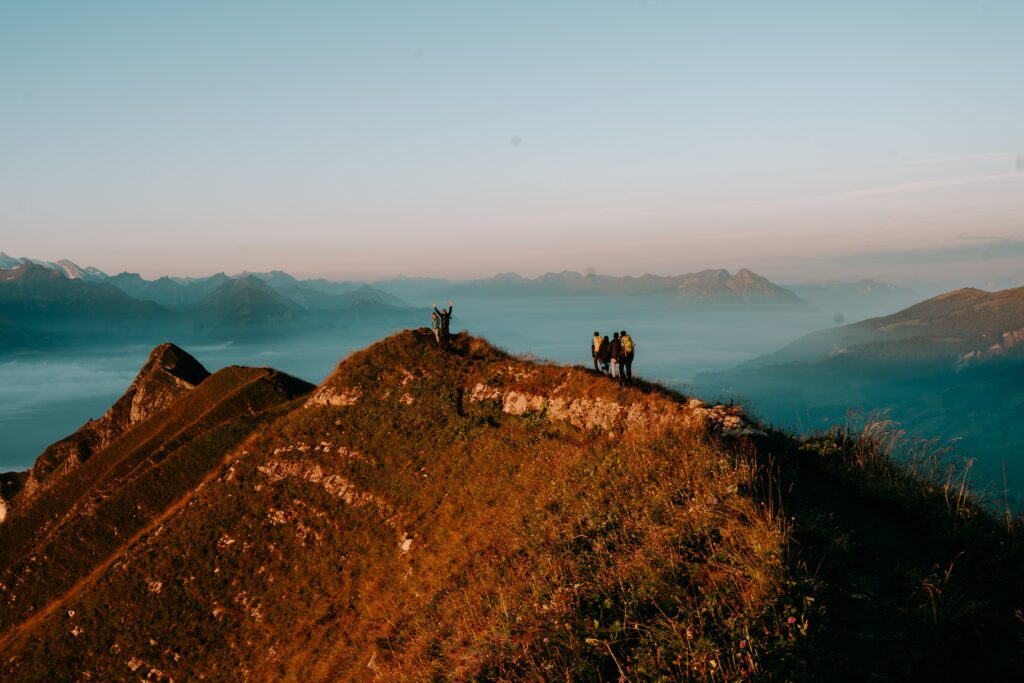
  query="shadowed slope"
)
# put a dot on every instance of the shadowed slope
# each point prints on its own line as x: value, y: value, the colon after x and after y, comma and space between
x: 168, y: 374
x: 945, y: 326
x: 55, y: 537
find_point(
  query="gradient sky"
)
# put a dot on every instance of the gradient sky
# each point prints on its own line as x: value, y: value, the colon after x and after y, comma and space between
x: 363, y: 140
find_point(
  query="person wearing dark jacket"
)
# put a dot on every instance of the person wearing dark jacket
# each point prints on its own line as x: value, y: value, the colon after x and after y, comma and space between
x: 604, y: 354
x: 446, y: 319
x: 615, y: 351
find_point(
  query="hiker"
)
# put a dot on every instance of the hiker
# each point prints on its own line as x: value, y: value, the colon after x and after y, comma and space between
x: 446, y: 320
x: 604, y: 354
x: 435, y: 322
x: 628, y: 351
x: 615, y: 351
x: 595, y: 346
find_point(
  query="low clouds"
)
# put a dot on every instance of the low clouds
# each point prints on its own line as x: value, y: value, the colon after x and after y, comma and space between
x: 27, y: 385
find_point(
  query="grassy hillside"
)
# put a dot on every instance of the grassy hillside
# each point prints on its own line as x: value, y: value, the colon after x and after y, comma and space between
x: 467, y: 515
x: 947, y: 326
x: 56, y: 537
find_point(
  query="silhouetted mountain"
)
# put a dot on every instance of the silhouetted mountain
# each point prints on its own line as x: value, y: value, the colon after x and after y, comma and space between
x: 317, y: 300
x: 866, y: 287
x: 469, y: 515
x: 274, y: 278
x: 706, y: 288
x: 39, y: 297
x: 745, y: 287
x: 245, y: 301
x: 169, y: 291
x: 937, y: 368
x: 412, y: 288
x: 951, y: 325
x: 17, y: 338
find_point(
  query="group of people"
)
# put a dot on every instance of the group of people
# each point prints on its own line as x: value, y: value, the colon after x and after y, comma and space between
x: 441, y: 321
x: 615, y: 356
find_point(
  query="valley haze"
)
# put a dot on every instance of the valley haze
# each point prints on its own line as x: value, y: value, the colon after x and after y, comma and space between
x: 232, y: 447
x: 74, y: 335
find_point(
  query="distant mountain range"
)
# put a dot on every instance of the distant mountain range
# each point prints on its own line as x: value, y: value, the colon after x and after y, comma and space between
x: 712, y: 287
x: 69, y: 269
x: 45, y: 305
x: 707, y: 287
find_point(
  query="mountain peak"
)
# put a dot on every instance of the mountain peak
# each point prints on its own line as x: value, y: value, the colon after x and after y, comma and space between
x: 168, y: 373
x: 176, y: 362
x: 31, y: 272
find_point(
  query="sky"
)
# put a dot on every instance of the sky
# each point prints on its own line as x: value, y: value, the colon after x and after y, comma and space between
x: 357, y: 140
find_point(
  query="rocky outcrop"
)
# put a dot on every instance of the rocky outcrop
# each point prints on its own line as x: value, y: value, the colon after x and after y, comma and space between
x: 609, y: 415
x: 168, y: 373
x: 326, y: 395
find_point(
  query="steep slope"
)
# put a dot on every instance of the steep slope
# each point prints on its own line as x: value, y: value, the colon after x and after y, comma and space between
x: 440, y: 514
x: 951, y: 325
x: 175, y: 436
x: 426, y: 515
x: 168, y: 373
x: 950, y: 368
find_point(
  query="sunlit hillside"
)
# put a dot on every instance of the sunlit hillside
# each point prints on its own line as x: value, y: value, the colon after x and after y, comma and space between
x: 466, y: 514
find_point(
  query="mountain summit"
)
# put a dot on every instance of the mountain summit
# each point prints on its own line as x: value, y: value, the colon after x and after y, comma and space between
x: 168, y: 373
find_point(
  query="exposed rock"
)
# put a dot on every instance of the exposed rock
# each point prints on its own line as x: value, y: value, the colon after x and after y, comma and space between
x: 328, y: 396
x: 169, y: 373
x: 608, y: 415
x: 516, y: 403
x: 334, y: 484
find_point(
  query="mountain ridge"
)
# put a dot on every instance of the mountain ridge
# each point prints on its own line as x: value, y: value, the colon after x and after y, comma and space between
x: 167, y: 374
x: 963, y: 321
x: 470, y: 514
x: 706, y: 287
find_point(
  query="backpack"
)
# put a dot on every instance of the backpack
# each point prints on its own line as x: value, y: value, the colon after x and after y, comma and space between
x: 627, y: 344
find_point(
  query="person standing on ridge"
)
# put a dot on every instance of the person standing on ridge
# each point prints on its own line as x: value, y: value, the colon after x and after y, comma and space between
x: 446, y: 321
x: 604, y: 354
x: 615, y: 350
x: 435, y: 322
x: 595, y: 346
x: 628, y: 351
